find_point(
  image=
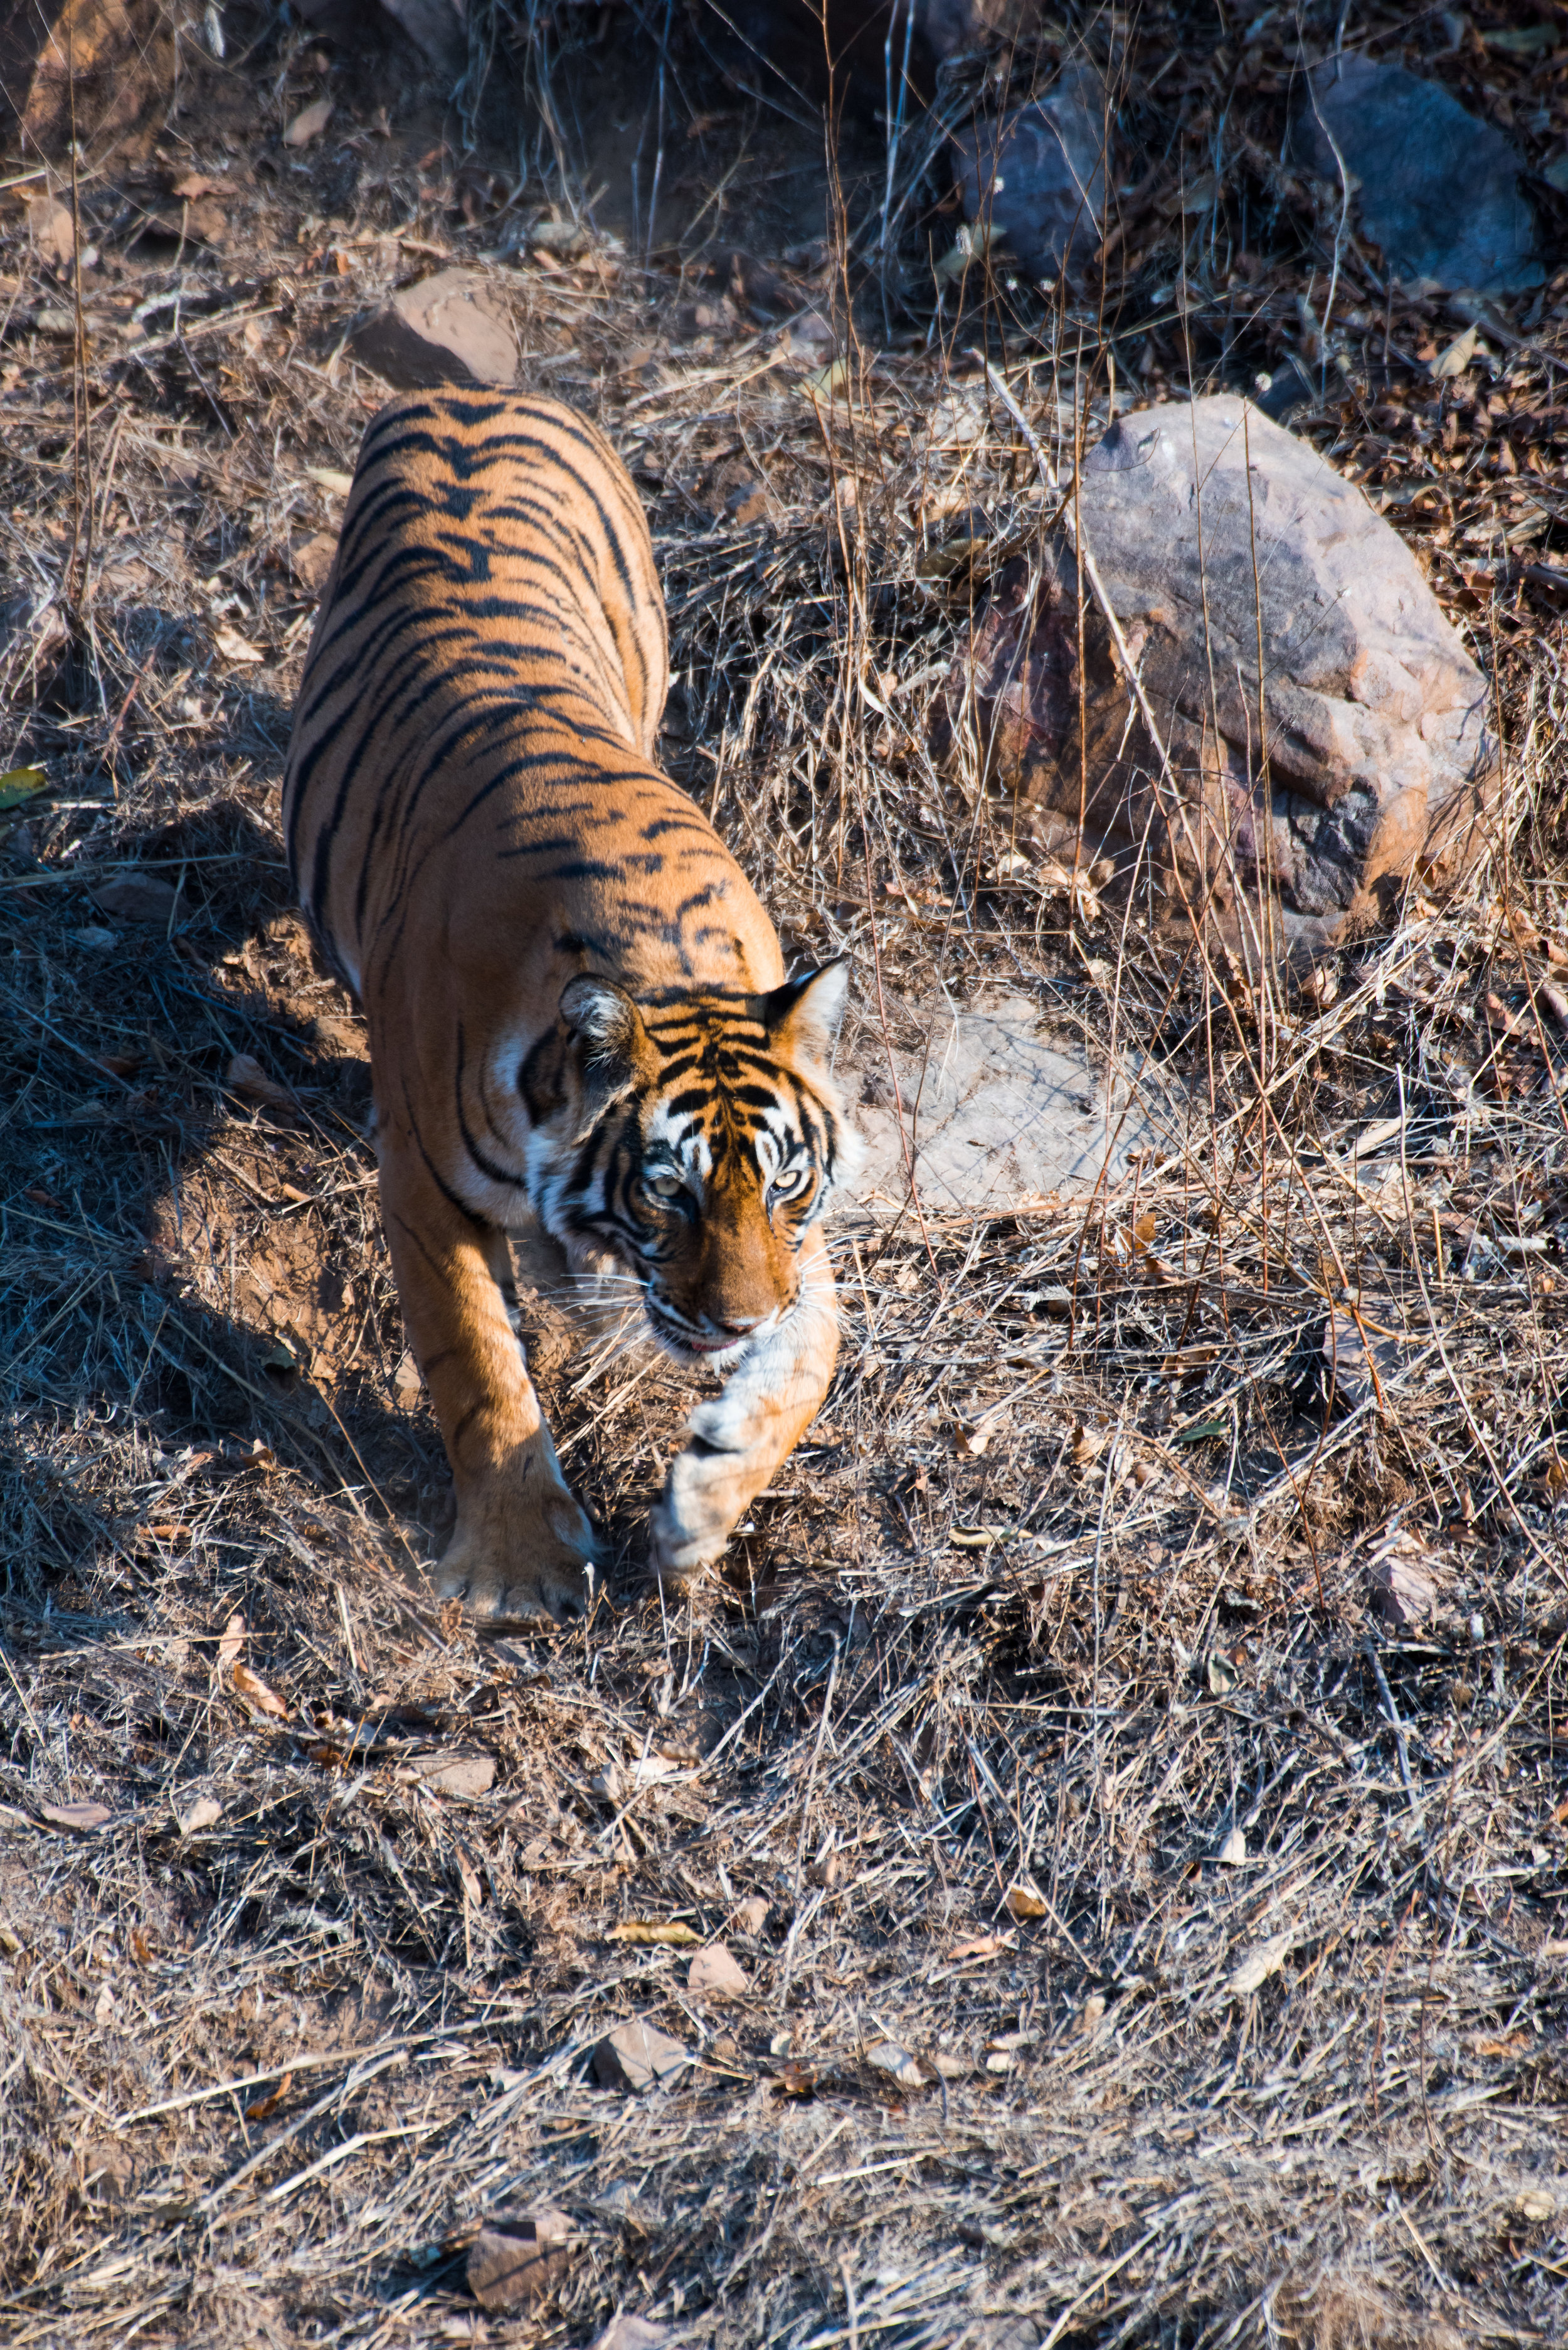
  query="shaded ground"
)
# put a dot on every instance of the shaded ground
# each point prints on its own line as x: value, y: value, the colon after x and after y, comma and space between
x: 1042, y: 1729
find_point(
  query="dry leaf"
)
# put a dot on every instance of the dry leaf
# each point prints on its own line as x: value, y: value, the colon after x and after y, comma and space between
x: 328, y: 477
x: 20, y: 783
x: 247, y: 1076
x: 1458, y: 355
x: 717, y: 1973
x: 1259, y: 1964
x: 257, y: 1695
x: 797, y: 2079
x: 166, y: 1530
x: 472, y: 1890
x: 204, y: 1813
x: 75, y: 1815
x: 1022, y: 1903
x: 653, y: 1929
x: 235, y: 647
x: 752, y: 1914
x: 1222, y: 1673
x: 984, y: 1946
x: 639, y: 2056
x: 1534, y: 2203
x: 1234, y: 1851
x: 233, y: 1640
x: 264, y: 2107
x: 308, y: 123
x: 897, y: 2062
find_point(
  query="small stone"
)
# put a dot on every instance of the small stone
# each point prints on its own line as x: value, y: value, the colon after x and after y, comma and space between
x: 625, y: 2331
x: 639, y: 2056
x: 449, y: 329
x: 312, y: 561
x: 136, y: 897
x: 1405, y: 1581
x: 515, y: 2257
x: 459, y: 1774
x: 715, y: 1973
x: 748, y: 503
x: 54, y: 235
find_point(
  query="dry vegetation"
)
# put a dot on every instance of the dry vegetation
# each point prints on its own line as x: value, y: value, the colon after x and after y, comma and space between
x: 1147, y: 1943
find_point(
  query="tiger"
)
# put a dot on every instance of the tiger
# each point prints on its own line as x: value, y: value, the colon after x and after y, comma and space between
x: 577, y: 1009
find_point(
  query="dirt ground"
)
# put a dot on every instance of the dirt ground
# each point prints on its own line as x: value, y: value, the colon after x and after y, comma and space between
x: 1124, y: 1754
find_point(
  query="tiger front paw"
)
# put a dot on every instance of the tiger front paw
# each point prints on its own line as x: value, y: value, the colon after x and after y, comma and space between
x: 705, y: 1495
x: 508, y: 1560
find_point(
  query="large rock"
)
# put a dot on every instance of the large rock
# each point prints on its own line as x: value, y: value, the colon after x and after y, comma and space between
x: 449, y: 329
x: 1037, y: 176
x: 800, y: 47
x: 1436, y: 189
x: 1304, y: 786
x: 121, y: 55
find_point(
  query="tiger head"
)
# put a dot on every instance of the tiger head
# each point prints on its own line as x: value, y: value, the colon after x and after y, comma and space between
x: 697, y: 1138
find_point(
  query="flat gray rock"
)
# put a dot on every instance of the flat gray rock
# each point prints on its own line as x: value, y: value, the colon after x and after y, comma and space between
x: 1000, y: 1118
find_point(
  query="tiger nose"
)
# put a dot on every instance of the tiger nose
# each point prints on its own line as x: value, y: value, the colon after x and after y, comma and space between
x: 739, y: 1325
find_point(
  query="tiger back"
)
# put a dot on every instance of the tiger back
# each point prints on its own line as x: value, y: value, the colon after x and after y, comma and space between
x: 577, y: 1007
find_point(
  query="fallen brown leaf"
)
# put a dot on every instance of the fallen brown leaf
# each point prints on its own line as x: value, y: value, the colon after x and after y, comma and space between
x: 652, y: 1929
x: 75, y: 1815
x: 264, y: 2107
x: 308, y: 123
x: 257, y: 1695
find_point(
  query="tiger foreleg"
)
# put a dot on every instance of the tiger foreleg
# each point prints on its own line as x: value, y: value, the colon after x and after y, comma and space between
x: 735, y: 1442
x: 521, y: 1545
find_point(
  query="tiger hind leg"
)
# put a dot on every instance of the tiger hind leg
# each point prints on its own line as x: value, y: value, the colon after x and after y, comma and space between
x: 521, y: 1546
x: 735, y: 1442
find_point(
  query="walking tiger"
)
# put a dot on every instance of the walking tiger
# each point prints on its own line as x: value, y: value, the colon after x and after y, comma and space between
x: 576, y: 1004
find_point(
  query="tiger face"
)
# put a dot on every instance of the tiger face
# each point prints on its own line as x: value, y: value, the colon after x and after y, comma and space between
x: 699, y: 1142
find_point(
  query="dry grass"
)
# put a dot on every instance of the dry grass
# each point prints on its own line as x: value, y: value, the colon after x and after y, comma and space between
x: 1044, y: 1706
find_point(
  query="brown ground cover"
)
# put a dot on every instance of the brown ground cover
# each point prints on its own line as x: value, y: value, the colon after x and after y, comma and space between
x: 1125, y: 1755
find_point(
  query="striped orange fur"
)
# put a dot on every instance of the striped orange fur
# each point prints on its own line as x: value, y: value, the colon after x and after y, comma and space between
x: 577, y: 1007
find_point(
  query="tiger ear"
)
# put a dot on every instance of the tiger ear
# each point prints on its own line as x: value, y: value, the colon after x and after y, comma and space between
x: 804, y: 1014
x: 606, y: 1028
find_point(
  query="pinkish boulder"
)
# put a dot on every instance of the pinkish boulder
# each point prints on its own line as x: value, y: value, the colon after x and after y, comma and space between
x: 1301, y: 785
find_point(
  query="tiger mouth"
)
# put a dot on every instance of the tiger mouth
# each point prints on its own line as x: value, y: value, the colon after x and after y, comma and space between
x: 686, y: 1342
